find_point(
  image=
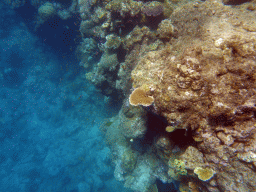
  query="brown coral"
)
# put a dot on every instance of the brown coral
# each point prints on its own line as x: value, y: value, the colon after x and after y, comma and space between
x: 140, y: 97
x: 202, y: 80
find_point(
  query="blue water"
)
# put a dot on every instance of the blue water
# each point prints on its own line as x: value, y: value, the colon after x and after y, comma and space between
x: 49, y: 114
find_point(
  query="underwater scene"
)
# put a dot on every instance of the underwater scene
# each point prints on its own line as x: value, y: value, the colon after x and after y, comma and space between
x: 128, y: 96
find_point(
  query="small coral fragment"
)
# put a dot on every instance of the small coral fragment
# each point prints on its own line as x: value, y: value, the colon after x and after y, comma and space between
x: 140, y: 97
x: 204, y: 174
x: 170, y: 129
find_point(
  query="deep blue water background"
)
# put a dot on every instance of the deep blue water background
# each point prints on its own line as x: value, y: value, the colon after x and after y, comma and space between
x: 49, y: 113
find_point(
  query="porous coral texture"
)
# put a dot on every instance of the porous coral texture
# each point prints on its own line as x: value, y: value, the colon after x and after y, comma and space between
x: 204, y: 81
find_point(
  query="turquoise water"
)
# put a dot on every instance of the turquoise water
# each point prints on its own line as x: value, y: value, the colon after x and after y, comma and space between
x: 49, y: 113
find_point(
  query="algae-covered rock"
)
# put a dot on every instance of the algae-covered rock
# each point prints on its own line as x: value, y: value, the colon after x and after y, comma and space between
x: 153, y: 188
x: 128, y: 159
x: 165, y: 29
x: 136, y: 36
x: 176, y: 169
x: 143, y: 176
x: 153, y: 8
x: 192, y: 158
x: 133, y: 122
x: 87, y: 51
x: 103, y: 74
x: 124, y: 7
x: 112, y: 41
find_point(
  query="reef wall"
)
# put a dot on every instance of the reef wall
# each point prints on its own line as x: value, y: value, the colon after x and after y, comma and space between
x: 196, y: 62
x: 185, y: 74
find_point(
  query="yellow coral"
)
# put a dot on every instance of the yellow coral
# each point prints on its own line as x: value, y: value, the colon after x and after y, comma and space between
x: 140, y: 97
x: 176, y: 169
x: 170, y: 129
x: 204, y: 174
x: 180, y: 167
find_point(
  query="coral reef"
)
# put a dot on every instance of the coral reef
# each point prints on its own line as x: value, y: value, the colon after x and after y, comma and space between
x: 185, y: 74
x: 136, y: 36
x: 198, y: 67
x: 132, y: 122
x: 204, y: 82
